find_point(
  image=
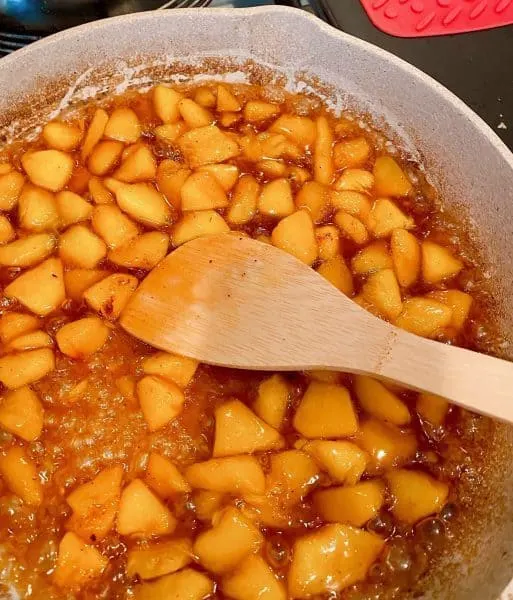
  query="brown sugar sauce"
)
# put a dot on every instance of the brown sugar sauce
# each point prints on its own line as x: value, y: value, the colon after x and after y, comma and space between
x: 92, y: 411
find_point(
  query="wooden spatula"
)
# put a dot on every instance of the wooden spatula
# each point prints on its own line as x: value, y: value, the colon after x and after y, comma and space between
x: 232, y: 301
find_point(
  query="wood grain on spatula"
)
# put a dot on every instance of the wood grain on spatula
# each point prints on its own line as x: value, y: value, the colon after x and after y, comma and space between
x: 232, y: 301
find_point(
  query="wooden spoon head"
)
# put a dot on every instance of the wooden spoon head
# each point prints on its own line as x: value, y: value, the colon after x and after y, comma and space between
x: 232, y: 301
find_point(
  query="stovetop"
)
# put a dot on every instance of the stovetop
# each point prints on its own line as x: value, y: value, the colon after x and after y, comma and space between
x: 476, y: 66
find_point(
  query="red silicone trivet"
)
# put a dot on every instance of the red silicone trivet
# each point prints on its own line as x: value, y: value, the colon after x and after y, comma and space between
x: 418, y: 18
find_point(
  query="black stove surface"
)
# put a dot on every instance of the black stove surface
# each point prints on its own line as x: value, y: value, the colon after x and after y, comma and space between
x: 477, y: 67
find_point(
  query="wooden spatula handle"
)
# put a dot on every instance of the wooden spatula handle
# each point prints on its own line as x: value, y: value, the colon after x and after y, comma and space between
x: 473, y: 380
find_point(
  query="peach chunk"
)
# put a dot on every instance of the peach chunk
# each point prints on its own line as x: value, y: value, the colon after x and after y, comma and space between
x: 95, y: 504
x: 141, y: 514
x: 230, y: 540
x: 432, y: 408
x: 253, y: 579
x: 24, y: 368
x: 380, y: 402
x: 110, y: 296
x: 295, y: 234
x: 21, y: 413
x: 161, y: 401
x: 237, y: 475
x: 187, y: 584
x: 325, y: 410
x: 353, y: 505
x: 159, y: 559
x: 178, y: 369
x: 239, y: 431
x: 272, y: 400
x: 20, y: 475
x: 415, y: 495
x: 82, y: 338
x: 389, y: 178
x: 77, y: 563
x: 343, y: 461
x: 331, y: 559
x: 164, y: 477
x: 50, y: 169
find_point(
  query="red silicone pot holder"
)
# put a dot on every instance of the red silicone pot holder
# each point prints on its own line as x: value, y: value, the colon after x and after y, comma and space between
x: 419, y: 18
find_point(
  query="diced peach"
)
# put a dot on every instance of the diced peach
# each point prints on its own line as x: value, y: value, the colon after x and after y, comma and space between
x: 186, y: 584
x: 123, y: 125
x: 104, y: 157
x: 11, y: 185
x: 424, y: 316
x: 272, y: 400
x: 50, y: 169
x: 380, y: 402
x: 72, y: 208
x: 144, y: 204
x: 459, y: 302
x: 276, y: 198
x: 226, y: 175
x: 331, y: 559
x: 301, y: 130
x: 355, y: 204
x: 194, y: 114
x: 406, y: 256
x: 27, y: 251
x: 179, y: 369
x: 256, y: 111
x: 24, y: 368
x: 244, y: 201
x: 432, y: 408
x: 351, y: 153
x: 295, y: 234
x: 226, y: 101
x: 20, y: 475
x: 202, y: 191
x: 37, y: 209
x: 30, y: 341
x: 171, y: 176
x: 159, y: 559
x: 61, y: 136
x: 386, y: 216
x: 143, y: 252
x: 161, y: 401
x: 389, y: 178
x: 80, y: 247
x: 139, y: 166
x: 141, y: 514
x: 382, y: 291
x: 196, y: 224
x: 170, y: 132
x: 351, y: 227
x: 353, y: 505
x: 326, y: 411
x: 438, y: 263
x: 387, y: 445
x: 77, y: 563
x: 239, y: 431
x: 292, y: 475
x: 207, y: 145
x: 95, y: 504
x: 238, y: 475
x: 207, y: 504
x: 355, y: 180
x: 314, y: 197
x: 336, y: 272
x: 328, y: 241
x: 7, y: 232
x: 415, y: 495
x: 110, y: 295
x: 343, y: 461
x: 165, y: 101
x: 164, y: 477
x: 231, y: 539
x: 40, y: 289
x: 21, y: 413
x: 94, y: 132
x: 253, y: 579
x: 83, y: 337
x: 323, y: 158
x: 14, y: 324
x: 374, y: 257
x: 77, y: 281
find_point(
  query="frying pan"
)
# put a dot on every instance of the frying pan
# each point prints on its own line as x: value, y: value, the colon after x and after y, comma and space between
x: 465, y: 160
